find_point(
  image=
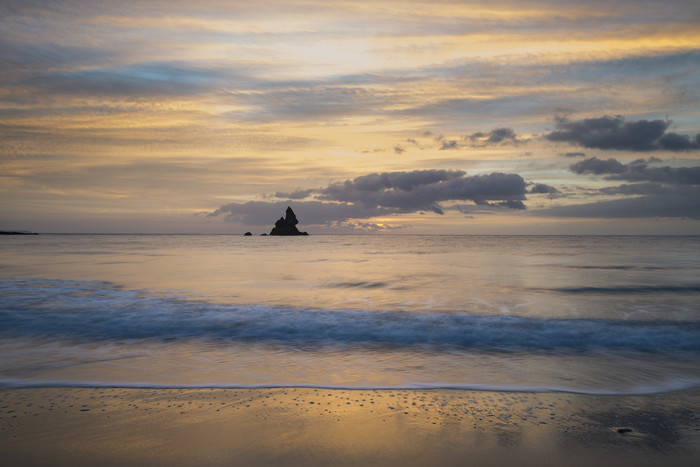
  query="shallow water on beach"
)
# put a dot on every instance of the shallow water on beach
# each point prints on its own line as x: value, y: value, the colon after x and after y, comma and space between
x: 604, y: 315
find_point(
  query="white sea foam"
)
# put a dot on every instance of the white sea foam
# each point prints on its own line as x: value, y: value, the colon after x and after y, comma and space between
x: 669, y: 386
x: 95, y: 311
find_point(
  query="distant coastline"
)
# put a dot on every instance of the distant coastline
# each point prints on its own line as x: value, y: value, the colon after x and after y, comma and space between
x: 17, y: 232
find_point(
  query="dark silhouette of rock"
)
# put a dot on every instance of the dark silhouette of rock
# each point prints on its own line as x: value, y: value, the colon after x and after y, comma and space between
x: 247, y: 234
x: 287, y: 225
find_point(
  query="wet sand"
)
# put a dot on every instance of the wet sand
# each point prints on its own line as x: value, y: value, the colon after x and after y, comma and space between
x: 301, y: 426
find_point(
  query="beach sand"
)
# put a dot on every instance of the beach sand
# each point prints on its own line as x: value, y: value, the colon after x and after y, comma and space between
x: 303, y: 426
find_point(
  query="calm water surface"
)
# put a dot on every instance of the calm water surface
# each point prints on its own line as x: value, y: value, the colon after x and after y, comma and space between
x: 585, y: 314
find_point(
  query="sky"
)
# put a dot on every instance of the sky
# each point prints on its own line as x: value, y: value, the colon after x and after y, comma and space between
x: 410, y: 117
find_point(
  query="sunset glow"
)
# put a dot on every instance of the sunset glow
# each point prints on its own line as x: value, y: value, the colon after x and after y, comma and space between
x: 172, y: 117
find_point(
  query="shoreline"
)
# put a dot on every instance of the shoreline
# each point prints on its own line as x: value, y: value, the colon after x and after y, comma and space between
x: 316, y: 426
x: 7, y: 384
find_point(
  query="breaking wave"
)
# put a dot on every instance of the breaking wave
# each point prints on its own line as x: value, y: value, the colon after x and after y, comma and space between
x: 98, y: 311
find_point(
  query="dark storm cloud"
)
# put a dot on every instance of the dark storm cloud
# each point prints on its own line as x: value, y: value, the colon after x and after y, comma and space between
x: 423, y: 190
x: 449, y: 144
x: 480, y: 139
x: 597, y: 166
x: 676, y: 142
x: 575, y: 154
x: 494, y: 137
x: 681, y: 202
x: 541, y: 188
x: 502, y: 134
x: 511, y: 204
x: 381, y: 194
x: 659, y: 191
x: 638, y: 189
x: 638, y: 171
x: 404, y: 180
x: 308, y: 212
x: 614, y: 132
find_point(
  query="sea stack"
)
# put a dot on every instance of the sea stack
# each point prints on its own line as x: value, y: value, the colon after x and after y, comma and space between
x: 287, y: 225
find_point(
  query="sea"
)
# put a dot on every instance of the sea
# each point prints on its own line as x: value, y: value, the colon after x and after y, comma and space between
x: 581, y: 314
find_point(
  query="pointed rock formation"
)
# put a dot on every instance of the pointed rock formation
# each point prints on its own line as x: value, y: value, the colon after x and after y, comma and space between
x: 287, y: 225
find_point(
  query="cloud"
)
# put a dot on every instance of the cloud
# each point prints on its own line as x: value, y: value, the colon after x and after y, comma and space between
x: 658, y: 192
x: 423, y: 190
x: 511, y: 204
x: 637, y: 189
x: 145, y: 81
x: 676, y: 142
x: 541, y: 188
x: 261, y: 213
x: 479, y: 139
x: 297, y: 194
x: 638, y: 171
x: 402, y: 180
x: 681, y: 202
x: 614, y: 132
x: 494, y: 137
x: 382, y: 194
x: 596, y: 166
x: 449, y: 144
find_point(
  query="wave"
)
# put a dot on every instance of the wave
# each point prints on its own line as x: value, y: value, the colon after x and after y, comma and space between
x: 632, y: 289
x: 623, y: 267
x: 88, y: 311
x: 359, y: 284
x: 662, y: 387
